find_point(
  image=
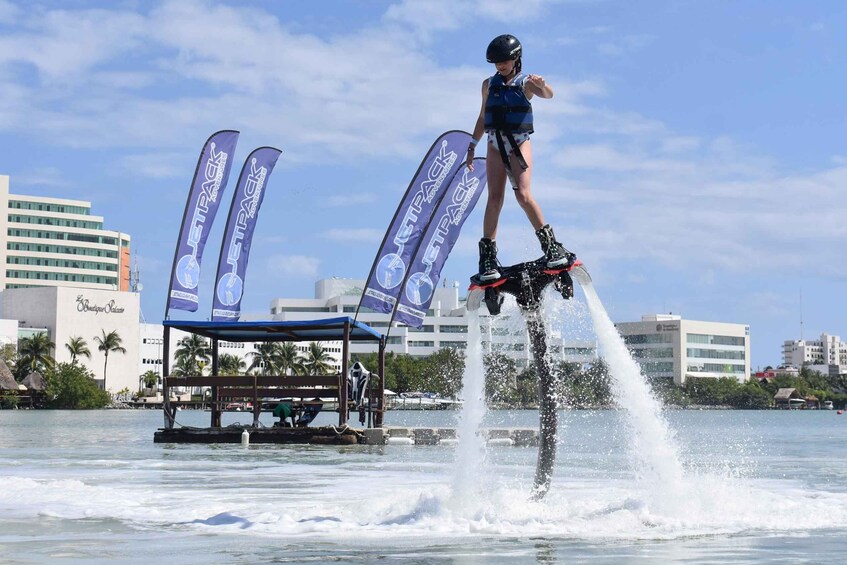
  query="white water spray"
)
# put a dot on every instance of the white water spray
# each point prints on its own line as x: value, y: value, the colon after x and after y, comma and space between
x: 470, y: 453
x: 652, y: 442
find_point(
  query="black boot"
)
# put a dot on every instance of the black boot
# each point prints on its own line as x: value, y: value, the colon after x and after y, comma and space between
x: 557, y: 255
x: 488, y: 260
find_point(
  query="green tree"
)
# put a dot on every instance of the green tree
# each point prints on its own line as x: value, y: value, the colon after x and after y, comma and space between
x: 265, y: 358
x: 9, y: 354
x: 34, y: 354
x: 443, y: 371
x: 408, y: 373
x: 150, y: 379
x: 72, y: 386
x: 750, y: 396
x: 184, y: 367
x: 525, y: 392
x: 501, y: 374
x: 288, y: 360
x: 108, y: 343
x: 317, y: 361
x: 78, y: 347
x: 229, y: 364
x: 192, y: 354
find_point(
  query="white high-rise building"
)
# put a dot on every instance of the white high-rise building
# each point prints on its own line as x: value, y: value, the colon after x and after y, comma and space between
x: 445, y: 326
x: 58, y: 242
x: 827, y: 355
x: 666, y: 346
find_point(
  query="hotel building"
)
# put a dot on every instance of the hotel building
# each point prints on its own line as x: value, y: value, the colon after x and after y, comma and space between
x: 58, y: 242
x: 827, y: 355
x: 668, y: 347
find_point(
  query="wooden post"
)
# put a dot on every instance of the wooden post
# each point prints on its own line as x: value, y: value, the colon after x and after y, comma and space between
x: 166, y: 372
x: 257, y: 409
x: 216, y: 407
x: 342, y: 390
x: 380, y: 390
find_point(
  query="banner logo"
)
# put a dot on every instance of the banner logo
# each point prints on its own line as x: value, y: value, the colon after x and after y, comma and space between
x: 201, y: 206
x: 420, y: 287
x: 414, y: 213
x: 231, y: 287
x: 437, y: 242
x: 188, y: 268
x: 238, y: 236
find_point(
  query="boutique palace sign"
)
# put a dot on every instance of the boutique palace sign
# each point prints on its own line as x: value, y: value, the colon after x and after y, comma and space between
x: 84, y: 305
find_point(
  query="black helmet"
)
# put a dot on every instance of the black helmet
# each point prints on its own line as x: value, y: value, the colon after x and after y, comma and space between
x: 503, y: 48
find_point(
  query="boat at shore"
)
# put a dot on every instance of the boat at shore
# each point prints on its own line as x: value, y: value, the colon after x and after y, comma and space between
x: 420, y: 401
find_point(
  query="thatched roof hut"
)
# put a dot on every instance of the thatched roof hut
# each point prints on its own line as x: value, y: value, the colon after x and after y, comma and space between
x: 7, y: 380
x: 785, y: 394
x: 34, y: 381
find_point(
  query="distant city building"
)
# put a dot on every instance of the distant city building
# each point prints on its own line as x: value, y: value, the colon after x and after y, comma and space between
x: 57, y: 242
x: 445, y: 326
x: 64, y: 313
x: 666, y: 346
x: 827, y: 355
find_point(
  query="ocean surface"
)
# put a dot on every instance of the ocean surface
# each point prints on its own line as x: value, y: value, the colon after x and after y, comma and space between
x: 755, y: 487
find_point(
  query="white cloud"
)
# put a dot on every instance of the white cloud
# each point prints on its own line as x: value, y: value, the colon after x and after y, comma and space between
x: 355, y: 235
x: 299, y: 266
x: 63, y: 45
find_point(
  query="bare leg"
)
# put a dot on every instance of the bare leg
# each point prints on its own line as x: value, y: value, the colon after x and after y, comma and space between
x: 524, y: 192
x: 496, y: 173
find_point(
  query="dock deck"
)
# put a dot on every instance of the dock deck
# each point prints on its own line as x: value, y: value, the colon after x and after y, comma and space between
x: 343, y: 435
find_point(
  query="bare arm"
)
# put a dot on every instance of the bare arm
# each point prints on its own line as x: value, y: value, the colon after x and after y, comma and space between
x: 536, y: 85
x: 479, y: 127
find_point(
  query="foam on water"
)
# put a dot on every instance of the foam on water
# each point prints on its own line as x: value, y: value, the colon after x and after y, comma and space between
x: 426, y: 512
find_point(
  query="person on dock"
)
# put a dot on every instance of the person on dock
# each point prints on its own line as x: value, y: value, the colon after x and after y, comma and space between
x: 506, y: 116
x: 284, y: 411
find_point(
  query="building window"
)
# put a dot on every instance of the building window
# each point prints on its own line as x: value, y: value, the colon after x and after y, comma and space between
x: 714, y: 353
x: 714, y: 339
x: 638, y: 339
x: 649, y: 353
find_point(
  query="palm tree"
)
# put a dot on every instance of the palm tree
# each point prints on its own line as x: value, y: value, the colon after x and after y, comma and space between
x: 150, y: 379
x: 265, y: 358
x: 77, y: 347
x: 107, y: 343
x: 289, y: 359
x: 192, y: 354
x: 317, y: 360
x: 229, y: 364
x: 34, y: 353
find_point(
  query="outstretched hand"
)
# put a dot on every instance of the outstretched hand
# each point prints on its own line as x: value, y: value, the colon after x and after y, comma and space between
x: 537, y: 80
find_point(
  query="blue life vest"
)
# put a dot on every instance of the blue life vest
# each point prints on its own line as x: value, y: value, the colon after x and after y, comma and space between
x: 507, y: 107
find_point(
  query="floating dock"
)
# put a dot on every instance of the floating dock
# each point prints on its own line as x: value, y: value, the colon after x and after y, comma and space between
x: 343, y: 435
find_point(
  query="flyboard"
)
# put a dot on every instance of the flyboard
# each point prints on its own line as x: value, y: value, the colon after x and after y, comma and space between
x: 526, y: 282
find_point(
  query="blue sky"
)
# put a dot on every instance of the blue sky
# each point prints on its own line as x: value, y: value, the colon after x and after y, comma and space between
x: 694, y: 153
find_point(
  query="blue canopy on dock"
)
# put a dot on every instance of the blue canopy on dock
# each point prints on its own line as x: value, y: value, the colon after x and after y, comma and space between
x: 329, y: 329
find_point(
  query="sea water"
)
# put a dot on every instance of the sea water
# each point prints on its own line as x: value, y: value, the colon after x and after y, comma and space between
x: 91, y: 486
